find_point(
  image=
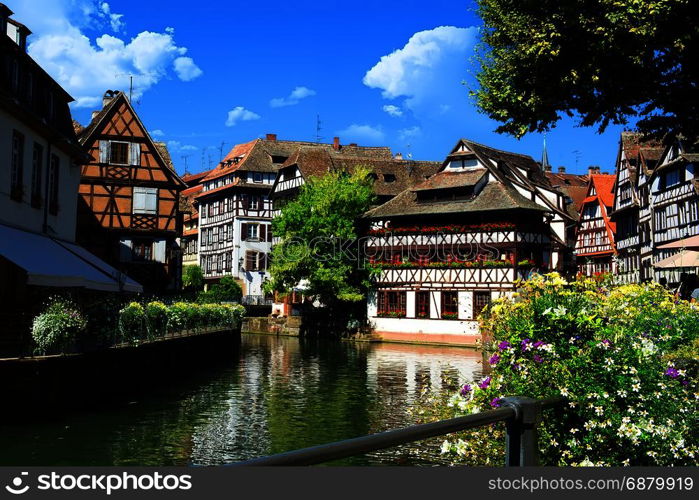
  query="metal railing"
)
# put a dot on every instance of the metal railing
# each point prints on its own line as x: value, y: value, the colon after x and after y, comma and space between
x: 256, y: 300
x: 520, y: 414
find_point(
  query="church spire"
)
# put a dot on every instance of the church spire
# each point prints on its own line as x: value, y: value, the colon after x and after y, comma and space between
x: 545, y: 165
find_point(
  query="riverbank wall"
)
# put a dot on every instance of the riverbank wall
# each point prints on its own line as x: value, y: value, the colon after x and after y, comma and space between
x: 42, y: 385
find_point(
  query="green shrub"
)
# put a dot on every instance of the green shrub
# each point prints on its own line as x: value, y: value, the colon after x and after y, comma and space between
x: 226, y: 290
x: 621, y: 355
x: 54, y: 330
x: 156, y: 319
x: 132, y: 322
x: 192, y: 277
x: 177, y: 316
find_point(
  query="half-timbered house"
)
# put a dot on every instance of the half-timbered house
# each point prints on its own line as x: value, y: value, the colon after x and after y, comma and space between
x: 129, y: 197
x: 636, y: 159
x: 39, y: 178
x: 673, y: 195
x: 449, y: 245
x: 594, y: 244
x: 189, y: 208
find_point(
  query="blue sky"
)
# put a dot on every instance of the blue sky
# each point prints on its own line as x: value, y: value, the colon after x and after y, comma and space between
x: 377, y: 73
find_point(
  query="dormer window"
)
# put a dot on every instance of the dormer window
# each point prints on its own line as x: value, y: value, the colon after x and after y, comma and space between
x: 257, y: 177
x: 389, y: 178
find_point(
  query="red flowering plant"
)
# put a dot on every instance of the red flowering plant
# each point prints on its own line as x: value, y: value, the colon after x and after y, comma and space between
x: 450, y: 315
x: 449, y: 228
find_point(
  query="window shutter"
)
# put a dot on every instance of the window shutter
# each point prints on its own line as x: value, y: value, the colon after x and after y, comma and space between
x: 263, y: 261
x: 263, y: 232
x: 269, y: 233
x: 139, y: 200
x: 152, y: 201
x: 134, y: 153
x: 243, y: 232
x: 104, y: 151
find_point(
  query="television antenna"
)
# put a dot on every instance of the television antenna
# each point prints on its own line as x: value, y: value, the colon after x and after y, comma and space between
x: 184, y: 159
x: 220, y: 151
x: 318, y: 129
x: 577, y: 153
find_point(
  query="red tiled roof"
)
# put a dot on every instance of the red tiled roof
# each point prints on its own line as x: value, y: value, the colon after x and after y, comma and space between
x: 194, y: 179
x: 192, y: 190
x: 227, y: 168
x: 604, y: 186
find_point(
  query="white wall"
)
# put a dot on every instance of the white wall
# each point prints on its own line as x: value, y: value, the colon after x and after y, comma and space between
x: 22, y: 214
x: 436, y: 326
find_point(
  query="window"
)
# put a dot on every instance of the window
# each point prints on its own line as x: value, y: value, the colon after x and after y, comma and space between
x: 253, y: 231
x: 391, y: 304
x: 450, y: 305
x: 389, y: 178
x: 228, y: 261
x: 229, y: 232
x: 142, y: 250
x: 257, y: 177
x: 422, y: 304
x: 145, y: 200
x: 54, y: 179
x: 119, y: 153
x: 255, y: 261
x: 254, y: 202
x: 37, y: 164
x: 480, y: 301
x: 17, y: 167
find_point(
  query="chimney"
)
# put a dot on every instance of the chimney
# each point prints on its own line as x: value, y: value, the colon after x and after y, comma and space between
x: 272, y: 137
x: 593, y: 169
x: 547, y: 168
x: 336, y: 143
x: 108, y: 96
x: 561, y: 170
x: 398, y: 156
x: 94, y: 115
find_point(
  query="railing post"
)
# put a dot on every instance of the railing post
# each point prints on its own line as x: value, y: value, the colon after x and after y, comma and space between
x: 521, y: 445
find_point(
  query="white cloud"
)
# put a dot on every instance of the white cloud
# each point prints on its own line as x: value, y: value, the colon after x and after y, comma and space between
x: 409, y: 133
x: 296, y: 95
x: 186, y: 69
x: 176, y: 147
x: 239, y: 113
x: 86, y: 67
x: 393, y: 110
x: 362, y: 133
x: 428, y: 71
x: 157, y: 133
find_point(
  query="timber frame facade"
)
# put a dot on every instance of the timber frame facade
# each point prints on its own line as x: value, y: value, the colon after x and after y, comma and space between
x: 656, y: 202
x: 129, y: 197
x: 594, y: 245
x: 448, y: 246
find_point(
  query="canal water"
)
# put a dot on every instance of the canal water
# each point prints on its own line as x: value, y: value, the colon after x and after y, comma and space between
x: 272, y: 395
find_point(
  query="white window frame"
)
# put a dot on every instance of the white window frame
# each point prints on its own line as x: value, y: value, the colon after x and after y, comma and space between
x: 144, y: 200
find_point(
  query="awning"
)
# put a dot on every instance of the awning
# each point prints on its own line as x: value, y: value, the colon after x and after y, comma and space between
x: 686, y: 258
x: 50, y: 262
x: 691, y: 242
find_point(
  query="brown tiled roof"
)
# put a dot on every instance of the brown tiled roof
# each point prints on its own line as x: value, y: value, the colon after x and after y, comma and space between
x: 445, y: 180
x: 572, y: 185
x: 77, y: 127
x: 165, y: 154
x: 494, y: 196
x: 195, y: 179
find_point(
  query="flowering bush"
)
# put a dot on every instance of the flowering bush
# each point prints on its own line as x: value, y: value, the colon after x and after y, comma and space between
x: 156, y: 319
x: 132, y: 322
x: 451, y: 228
x: 625, y: 357
x: 451, y: 264
x: 450, y: 315
x: 392, y: 314
x: 57, y: 327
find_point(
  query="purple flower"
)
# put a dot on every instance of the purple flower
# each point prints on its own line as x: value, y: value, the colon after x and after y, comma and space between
x: 538, y: 358
x: 685, y: 382
x: 672, y: 372
x: 496, y: 402
x: 465, y: 390
x: 494, y: 359
x: 606, y: 341
x: 538, y: 344
x: 525, y: 344
x: 504, y: 345
x: 484, y: 383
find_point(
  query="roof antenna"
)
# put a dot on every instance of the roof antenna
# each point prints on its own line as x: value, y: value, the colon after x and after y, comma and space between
x: 184, y: 158
x: 318, y: 129
x: 577, y: 154
x: 130, y: 82
x: 220, y: 151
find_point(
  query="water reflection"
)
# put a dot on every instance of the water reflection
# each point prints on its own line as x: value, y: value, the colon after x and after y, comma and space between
x: 275, y: 394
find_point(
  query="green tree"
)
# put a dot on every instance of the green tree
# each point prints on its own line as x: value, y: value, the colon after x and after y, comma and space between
x: 226, y: 290
x: 318, y: 232
x: 604, y: 61
x: 193, y: 277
